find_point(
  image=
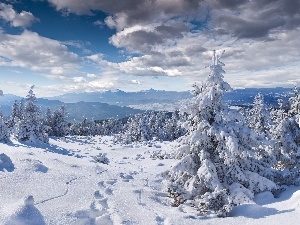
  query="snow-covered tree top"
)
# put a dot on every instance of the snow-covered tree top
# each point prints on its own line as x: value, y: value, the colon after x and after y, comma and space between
x: 216, y: 65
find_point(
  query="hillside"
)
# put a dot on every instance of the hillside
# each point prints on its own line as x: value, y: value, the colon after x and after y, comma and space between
x: 69, y: 187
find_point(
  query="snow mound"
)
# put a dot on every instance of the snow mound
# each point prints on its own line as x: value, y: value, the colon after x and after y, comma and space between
x: 264, y: 198
x: 253, y: 211
x: 24, y: 213
x: 35, y: 165
x: 5, y: 163
x: 295, y: 201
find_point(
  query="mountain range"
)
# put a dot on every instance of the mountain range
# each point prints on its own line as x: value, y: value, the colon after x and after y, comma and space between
x: 112, y: 104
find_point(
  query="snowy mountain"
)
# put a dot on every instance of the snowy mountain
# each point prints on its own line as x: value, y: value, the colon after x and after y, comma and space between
x: 246, y: 96
x: 125, y: 98
x: 155, y: 97
x: 78, y: 110
x: 110, y: 104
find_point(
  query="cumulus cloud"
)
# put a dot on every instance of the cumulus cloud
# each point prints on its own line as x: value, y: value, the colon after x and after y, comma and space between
x: 173, y: 37
x: 91, y: 75
x: 99, y: 23
x: 135, y: 82
x: 269, y: 17
x: 23, y: 19
x: 32, y: 51
x: 143, y: 38
x: 79, y: 79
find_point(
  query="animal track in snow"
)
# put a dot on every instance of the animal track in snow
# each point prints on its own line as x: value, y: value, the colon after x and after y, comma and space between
x: 99, y: 207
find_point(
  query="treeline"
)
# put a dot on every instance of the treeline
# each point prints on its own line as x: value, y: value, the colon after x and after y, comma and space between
x: 27, y: 123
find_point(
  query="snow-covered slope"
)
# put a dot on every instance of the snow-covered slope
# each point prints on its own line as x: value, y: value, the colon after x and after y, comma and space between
x: 69, y: 187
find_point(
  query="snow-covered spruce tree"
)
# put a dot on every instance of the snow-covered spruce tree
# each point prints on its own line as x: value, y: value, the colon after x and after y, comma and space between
x: 74, y: 128
x: 15, y: 115
x: 84, y: 128
x: 172, y: 128
x: 94, y: 130
x: 285, y: 133
x: 48, y: 121
x: 59, y: 122
x: 30, y: 127
x: 259, y: 117
x: 220, y: 161
x: 4, y: 130
x: 294, y: 103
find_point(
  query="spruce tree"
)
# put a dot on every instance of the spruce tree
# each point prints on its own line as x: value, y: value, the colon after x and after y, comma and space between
x: 221, y: 162
x: 258, y: 117
x: 30, y: 127
x: 59, y: 122
x: 4, y: 130
x: 285, y: 133
x: 15, y: 114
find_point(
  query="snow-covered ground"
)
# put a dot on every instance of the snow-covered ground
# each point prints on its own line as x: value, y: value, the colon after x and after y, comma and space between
x: 69, y: 187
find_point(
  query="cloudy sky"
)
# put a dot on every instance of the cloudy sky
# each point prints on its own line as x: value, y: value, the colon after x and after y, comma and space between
x: 92, y: 45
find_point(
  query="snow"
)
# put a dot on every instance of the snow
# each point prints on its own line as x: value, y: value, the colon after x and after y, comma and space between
x: 61, y: 183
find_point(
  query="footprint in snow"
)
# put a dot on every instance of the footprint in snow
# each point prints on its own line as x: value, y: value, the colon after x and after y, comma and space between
x: 97, y: 195
x: 159, y: 220
x: 108, y: 191
x: 126, y: 176
x: 103, y: 185
x: 97, y: 213
x: 111, y: 181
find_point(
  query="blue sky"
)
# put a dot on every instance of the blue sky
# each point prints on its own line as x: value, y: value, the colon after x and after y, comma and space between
x: 65, y: 46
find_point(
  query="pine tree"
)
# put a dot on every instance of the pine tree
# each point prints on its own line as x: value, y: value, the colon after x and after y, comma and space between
x: 74, y: 128
x: 48, y: 121
x: 294, y: 102
x: 84, y: 128
x: 285, y: 133
x: 158, y: 126
x: 30, y: 127
x: 259, y: 118
x: 220, y: 159
x: 4, y: 130
x: 59, y: 122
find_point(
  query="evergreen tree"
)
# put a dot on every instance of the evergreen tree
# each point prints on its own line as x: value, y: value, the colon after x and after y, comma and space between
x: 221, y: 162
x: 259, y: 118
x: 30, y: 127
x: 15, y: 113
x: 294, y: 102
x: 59, y: 122
x: 144, y: 128
x: 74, y: 128
x: 4, y: 130
x: 94, y: 128
x: 285, y: 133
x: 48, y: 121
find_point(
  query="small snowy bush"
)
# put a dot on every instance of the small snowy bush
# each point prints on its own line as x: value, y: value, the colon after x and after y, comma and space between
x: 161, y: 155
x: 101, y: 158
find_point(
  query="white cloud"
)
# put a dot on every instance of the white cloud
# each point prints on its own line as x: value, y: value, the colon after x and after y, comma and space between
x: 34, y: 52
x: 99, y: 23
x: 79, y: 79
x: 91, y: 75
x: 167, y: 72
x: 23, y: 19
x: 97, y: 58
x: 57, y: 71
x: 260, y: 47
x: 135, y: 82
